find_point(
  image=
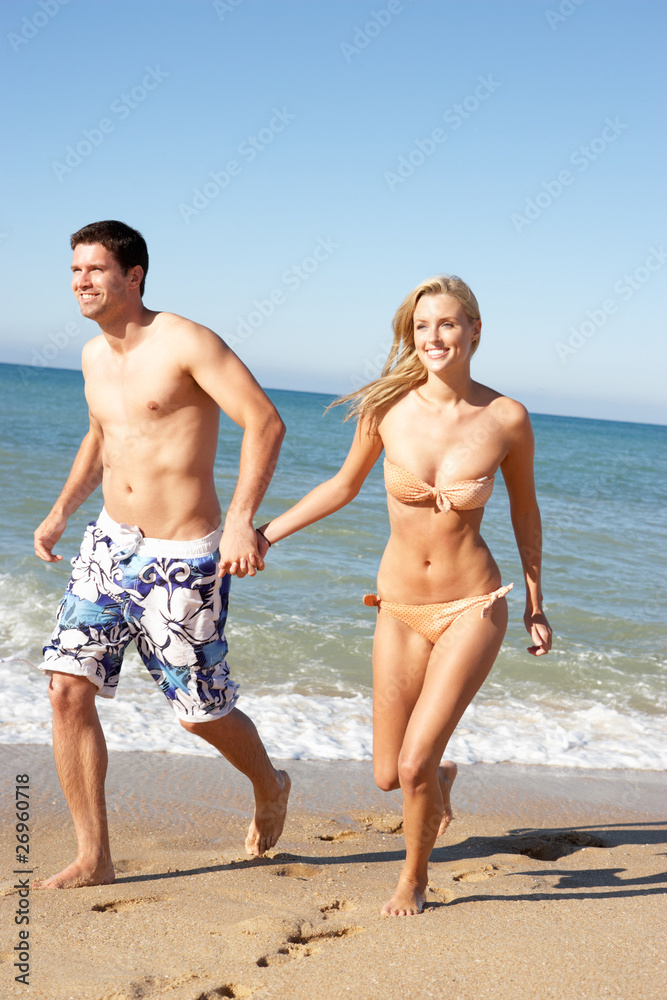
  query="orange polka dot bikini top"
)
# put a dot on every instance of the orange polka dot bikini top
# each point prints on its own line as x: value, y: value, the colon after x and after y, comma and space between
x: 464, y: 495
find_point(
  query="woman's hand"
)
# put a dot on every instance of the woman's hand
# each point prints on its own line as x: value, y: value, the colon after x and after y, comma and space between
x: 263, y: 544
x: 539, y: 631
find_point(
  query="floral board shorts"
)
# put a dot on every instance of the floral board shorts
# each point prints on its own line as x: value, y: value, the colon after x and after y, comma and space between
x: 167, y: 596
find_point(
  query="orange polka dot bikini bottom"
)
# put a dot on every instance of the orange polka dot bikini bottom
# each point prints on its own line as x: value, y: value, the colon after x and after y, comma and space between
x: 431, y: 620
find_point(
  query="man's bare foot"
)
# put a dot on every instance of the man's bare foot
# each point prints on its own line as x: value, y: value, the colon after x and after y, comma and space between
x: 407, y: 901
x: 269, y: 819
x: 446, y: 774
x: 78, y: 874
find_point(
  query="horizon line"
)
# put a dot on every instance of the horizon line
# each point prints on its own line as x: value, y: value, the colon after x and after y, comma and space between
x: 36, y: 369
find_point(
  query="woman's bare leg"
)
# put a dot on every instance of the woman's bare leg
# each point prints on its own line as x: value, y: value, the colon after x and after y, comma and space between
x: 446, y: 774
x: 400, y: 658
x: 458, y: 665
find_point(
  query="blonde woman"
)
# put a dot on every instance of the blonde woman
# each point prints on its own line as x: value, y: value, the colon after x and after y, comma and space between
x: 442, y: 612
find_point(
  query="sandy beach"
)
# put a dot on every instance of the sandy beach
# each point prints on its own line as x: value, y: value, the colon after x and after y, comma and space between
x: 548, y: 884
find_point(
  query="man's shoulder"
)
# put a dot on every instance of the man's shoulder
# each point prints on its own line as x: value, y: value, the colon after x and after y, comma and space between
x: 92, y: 350
x: 187, y: 331
x: 187, y: 343
x: 167, y: 320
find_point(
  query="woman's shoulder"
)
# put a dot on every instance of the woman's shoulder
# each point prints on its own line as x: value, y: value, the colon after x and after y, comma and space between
x: 504, y: 408
x: 395, y: 409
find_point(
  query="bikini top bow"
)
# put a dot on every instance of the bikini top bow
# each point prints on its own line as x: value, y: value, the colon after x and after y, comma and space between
x: 467, y: 494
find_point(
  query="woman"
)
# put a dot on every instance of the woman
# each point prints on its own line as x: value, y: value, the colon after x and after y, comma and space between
x: 442, y: 612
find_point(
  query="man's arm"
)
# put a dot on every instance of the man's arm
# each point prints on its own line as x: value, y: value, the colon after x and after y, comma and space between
x: 227, y: 380
x: 85, y: 476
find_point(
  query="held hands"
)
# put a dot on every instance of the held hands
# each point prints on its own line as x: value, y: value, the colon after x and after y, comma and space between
x: 47, y: 535
x: 240, y: 553
x: 540, y: 632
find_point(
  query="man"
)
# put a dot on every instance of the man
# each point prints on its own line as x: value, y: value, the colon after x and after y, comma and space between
x: 148, y: 568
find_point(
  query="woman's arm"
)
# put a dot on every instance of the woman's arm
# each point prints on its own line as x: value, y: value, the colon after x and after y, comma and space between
x: 517, y: 469
x: 332, y: 494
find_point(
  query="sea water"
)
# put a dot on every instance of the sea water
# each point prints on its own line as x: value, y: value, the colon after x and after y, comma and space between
x: 300, y: 639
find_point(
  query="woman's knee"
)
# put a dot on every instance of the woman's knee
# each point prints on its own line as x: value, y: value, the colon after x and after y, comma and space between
x: 415, y: 771
x: 386, y: 776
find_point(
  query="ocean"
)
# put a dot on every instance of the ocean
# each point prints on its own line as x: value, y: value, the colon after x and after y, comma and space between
x: 300, y: 638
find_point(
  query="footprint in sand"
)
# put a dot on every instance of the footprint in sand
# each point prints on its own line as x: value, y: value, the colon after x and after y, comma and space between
x: 342, y: 835
x: 384, y: 823
x: 337, y: 906
x: 297, y: 871
x: 119, y: 905
x: 308, y: 941
x: 477, y: 874
x: 125, y: 865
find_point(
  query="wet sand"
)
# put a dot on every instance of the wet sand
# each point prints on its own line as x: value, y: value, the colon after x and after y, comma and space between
x: 549, y: 884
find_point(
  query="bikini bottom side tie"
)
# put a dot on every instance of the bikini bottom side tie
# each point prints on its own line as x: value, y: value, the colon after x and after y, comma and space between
x: 431, y: 620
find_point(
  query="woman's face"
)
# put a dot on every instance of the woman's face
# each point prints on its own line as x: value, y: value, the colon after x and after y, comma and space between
x: 444, y: 335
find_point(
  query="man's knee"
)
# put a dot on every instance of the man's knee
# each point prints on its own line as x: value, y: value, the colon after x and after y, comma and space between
x: 210, y: 727
x: 70, y: 693
x: 196, y: 728
x: 190, y: 727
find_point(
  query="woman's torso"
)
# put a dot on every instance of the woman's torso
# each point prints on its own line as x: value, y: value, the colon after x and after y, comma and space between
x: 435, y: 554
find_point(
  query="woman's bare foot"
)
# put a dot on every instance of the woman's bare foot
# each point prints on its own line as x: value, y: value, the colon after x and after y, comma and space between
x: 269, y: 819
x: 79, y: 874
x: 407, y: 901
x: 446, y: 774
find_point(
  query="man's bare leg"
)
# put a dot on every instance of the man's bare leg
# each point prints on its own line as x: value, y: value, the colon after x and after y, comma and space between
x: 446, y: 774
x: 80, y: 753
x: 237, y: 739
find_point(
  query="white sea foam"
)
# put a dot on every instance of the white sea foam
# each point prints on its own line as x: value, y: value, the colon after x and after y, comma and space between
x: 297, y: 726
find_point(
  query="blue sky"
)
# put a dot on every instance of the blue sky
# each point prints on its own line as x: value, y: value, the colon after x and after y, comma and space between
x: 297, y: 167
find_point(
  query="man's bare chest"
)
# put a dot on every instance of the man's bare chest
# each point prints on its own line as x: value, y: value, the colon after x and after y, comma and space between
x: 132, y: 396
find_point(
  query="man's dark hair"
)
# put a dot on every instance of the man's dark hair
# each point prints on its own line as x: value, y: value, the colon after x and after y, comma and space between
x: 127, y: 245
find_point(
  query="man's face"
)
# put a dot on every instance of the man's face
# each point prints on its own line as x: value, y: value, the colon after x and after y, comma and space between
x: 101, y: 288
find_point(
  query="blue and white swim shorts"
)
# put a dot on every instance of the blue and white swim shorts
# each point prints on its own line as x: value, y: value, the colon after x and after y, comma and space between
x: 167, y: 597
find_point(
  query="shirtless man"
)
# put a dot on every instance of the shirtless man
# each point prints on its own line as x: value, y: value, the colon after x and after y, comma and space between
x: 155, y: 385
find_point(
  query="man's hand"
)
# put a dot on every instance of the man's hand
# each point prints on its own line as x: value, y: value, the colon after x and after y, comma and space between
x: 539, y: 630
x: 239, y: 555
x: 47, y: 535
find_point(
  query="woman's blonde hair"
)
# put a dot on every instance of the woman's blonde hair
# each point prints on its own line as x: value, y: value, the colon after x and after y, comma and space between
x: 403, y: 370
